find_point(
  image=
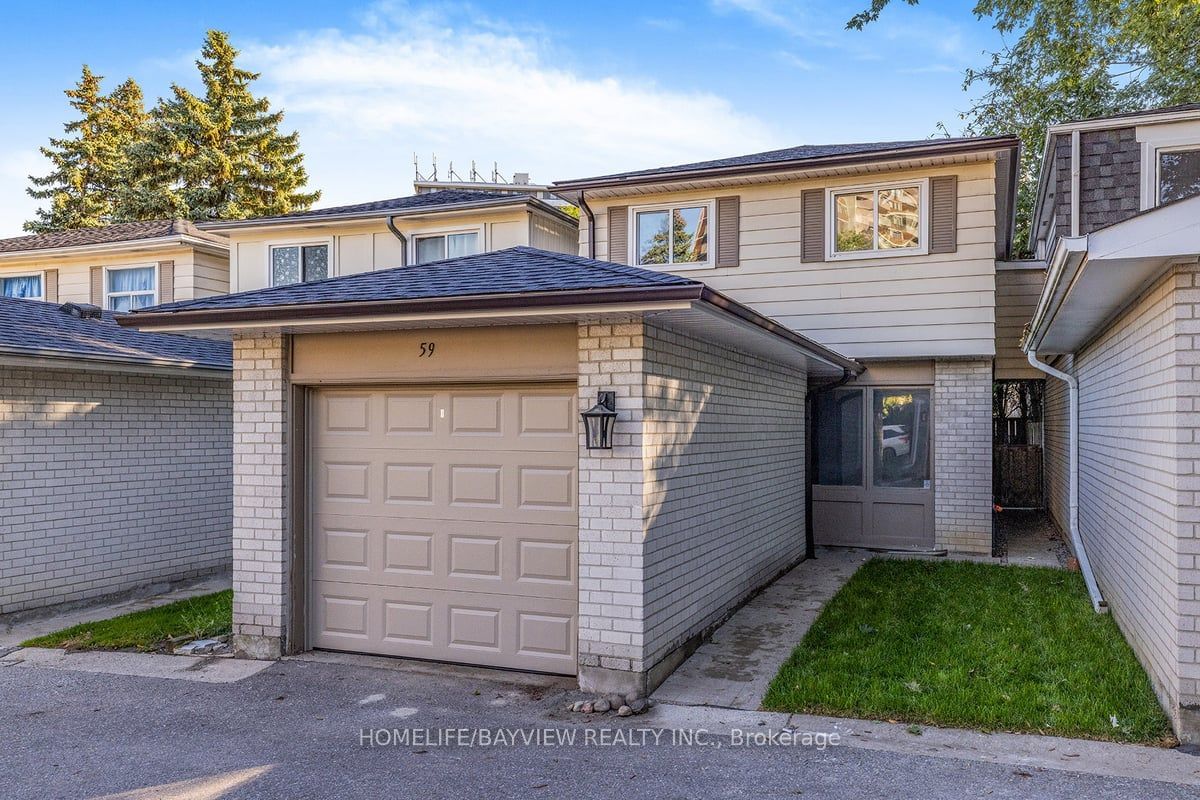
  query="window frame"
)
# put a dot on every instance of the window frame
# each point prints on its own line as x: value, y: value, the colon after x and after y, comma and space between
x: 434, y: 233
x: 326, y: 241
x: 684, y: 266
x: 108, y: 295
x: 39, y: 274
x: 1191, y: 147
x: 922, y: 248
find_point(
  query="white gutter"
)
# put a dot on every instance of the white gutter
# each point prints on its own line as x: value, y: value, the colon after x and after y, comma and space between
x: 1098, y: 603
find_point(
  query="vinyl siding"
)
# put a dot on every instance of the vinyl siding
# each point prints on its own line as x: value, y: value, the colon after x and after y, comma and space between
x: 919, y: 306
x: 1017, y: 293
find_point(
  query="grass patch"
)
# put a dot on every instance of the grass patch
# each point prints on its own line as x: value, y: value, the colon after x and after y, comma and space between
x: 971, y: 645
x: 152, y: 629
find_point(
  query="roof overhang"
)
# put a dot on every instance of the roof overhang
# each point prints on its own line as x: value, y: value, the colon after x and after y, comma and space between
x: 787, y: 170
x: 694, y: 307
x: 62, y: 360
x: 1092, y: 278
x: 317, y: 220
x: 127, y: 246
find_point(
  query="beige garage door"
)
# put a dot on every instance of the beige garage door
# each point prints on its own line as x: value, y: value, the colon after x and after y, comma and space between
x: 444, y: 524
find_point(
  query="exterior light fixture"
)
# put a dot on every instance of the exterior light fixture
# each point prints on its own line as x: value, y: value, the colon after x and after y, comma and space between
x: 598, y: 421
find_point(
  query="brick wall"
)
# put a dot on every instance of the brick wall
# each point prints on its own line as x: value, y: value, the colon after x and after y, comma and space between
x: 108, y: 482
x: 725, y: 481
x: 962, y: 412
x: 1138, y: 440
x: 261, y: 536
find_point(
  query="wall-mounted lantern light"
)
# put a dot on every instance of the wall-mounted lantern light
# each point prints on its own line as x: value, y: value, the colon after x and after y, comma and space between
x: 598, y: 421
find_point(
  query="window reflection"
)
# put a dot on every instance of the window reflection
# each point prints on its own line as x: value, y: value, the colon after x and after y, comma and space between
x: 901, y: 438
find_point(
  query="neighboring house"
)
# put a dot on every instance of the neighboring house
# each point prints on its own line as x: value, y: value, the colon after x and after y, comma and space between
x: 118, y: 267
x: 1118, y: 221
x: 411, y: 476
x: 885, y: 251
x: 347, y: 240
x: 114, y: 455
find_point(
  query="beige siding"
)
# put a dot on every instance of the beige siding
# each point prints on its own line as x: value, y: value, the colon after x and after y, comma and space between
x: 932, y: 305
x: 551, y: 233
x: 196, y: 273
x: 1017, y: 292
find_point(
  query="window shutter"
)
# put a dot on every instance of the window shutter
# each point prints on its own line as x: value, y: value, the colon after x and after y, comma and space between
x: 812, y: 225
x: 50, y: 285
x: 98, y: 286
x: 166, y: 281
x: 728, y: 226
x: 618, y: 234
x: 943, y: 214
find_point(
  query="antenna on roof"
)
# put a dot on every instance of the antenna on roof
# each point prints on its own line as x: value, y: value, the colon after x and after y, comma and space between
x: 475, y: 176
x: 452, y: 175
x: 417, y: 167
x: 496, y: 176
x: 434, y: 177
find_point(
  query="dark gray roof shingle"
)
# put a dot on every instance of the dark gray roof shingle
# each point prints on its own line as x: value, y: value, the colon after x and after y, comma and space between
x: 109, y: 234
x: 785, y: 155
x: 31, y: 327
x: 415, y: 202
x: 515, y: 271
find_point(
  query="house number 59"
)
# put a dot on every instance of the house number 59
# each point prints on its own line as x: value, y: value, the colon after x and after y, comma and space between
x: 427, y: 349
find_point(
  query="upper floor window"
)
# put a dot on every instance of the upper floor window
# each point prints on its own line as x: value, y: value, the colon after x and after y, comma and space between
x: 28, y: 287
x: 296, y: 263
x: 1178, y: 174
x: 877, y: 220
x: 445, y: 245
x: 130, y: 288
x: 677, y: 234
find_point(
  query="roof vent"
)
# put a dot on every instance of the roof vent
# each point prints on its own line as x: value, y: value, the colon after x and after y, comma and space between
x: 81, y: 310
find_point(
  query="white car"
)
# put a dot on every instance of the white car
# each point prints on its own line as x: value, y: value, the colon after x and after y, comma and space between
x: 896, y: 442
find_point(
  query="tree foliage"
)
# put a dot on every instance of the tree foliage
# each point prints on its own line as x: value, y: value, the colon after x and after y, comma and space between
x: 90, y: 165
x: 1074, y: 59
x: 215, y: 155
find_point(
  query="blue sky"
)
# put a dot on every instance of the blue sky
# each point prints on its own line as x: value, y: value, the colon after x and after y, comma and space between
x: 557, y: 89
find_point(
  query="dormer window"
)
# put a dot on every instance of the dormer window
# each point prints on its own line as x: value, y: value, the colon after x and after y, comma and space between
x: 445, y: 245
x: 299, y: 263
x: 1178, y: 174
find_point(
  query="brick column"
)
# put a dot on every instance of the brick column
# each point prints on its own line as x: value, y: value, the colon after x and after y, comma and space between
x: 261, y: 547
x: 962, y: 412
x: 611, y: 516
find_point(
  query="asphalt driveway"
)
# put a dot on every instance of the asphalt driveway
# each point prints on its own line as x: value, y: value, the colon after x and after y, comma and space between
x: 313, y: 730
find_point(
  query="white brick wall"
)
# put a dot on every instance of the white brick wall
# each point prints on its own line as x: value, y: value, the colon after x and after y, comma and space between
x: 1138, y: 440
x: 108, y: 482
x: 261, y: 536
x: 700, y: 501
x: 962, y: 412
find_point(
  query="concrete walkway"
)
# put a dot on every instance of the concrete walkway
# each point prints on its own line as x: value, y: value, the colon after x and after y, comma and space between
x: 202, y: 669
x: 19, y: 627
x: 734, y: 668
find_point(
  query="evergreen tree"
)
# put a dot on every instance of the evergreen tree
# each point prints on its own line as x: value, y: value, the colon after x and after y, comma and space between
x: 91, y: 163
x: 220, y: 156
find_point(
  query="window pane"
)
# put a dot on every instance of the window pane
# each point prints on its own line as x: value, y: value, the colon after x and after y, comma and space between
x: 140, y: 279
x: 23, y: 286
x: 689, y: 239
x: 898, y: 217
x: 462, y: 244
x: 141, y: 300
x: 122, y: 302
x: 316, y: 262
x: 431, y: 248
x: 855, y: 221
x: 901, y: 438
x: 653, y: 237
x: 1178, y: 175
x: 285, y: 265
x: 838, y: 450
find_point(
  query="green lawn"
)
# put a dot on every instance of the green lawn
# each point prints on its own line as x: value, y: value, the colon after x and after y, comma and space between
x: 152, y: 629
x: 972, y: 646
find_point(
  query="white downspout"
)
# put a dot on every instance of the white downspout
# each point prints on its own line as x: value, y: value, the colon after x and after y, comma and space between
x: 1073, y: 482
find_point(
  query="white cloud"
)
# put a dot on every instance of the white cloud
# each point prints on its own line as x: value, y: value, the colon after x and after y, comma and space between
x: 446, y: 80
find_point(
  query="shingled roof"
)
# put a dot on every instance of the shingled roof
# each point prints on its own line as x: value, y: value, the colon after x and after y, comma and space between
x: 108, y: 234
x: 789, y: 156
x: 34, y: 328
x: 519, y: 271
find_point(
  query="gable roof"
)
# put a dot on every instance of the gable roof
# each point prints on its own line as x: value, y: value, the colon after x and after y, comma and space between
x: 35, y: 329
x: 110, y: 234
x: 429, y: 202
x: 1180, y: 108
x: 796, y: 157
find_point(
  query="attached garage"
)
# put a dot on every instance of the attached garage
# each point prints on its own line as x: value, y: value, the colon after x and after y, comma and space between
x: 412, y: 477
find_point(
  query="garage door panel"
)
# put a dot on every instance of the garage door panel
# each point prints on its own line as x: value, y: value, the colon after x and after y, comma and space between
x: 472, y: 628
